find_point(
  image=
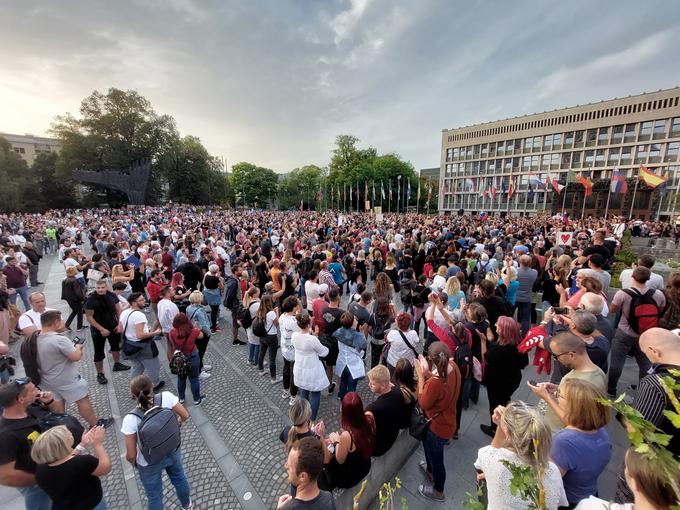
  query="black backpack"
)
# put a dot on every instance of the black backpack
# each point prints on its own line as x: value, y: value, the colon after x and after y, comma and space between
x: 158, y: 431
x: 245, y: 317
x: 260, y: 326
x: 462, y: 356
x: 381, y: 325
x: 43, y: 419
x: 480, y: 274
x: 644, y: 312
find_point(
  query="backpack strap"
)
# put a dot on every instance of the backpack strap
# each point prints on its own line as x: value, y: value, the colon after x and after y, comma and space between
x: 403, y: 336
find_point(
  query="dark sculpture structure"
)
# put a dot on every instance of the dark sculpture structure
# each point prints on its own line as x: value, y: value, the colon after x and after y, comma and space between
x: 133, y: 182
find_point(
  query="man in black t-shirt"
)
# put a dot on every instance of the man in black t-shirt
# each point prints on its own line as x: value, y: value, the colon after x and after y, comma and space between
x: 331, y: 319
x: 304, y: 465
x: 360, y: 308
x: 387, y: 410
x: 17, y: 432
x: 102, y: 310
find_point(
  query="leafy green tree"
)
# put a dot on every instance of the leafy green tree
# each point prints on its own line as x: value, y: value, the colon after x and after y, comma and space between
x: 15, y: 177
x: 114, y: 130
x: 301, y: 185
x: 253, y: 186
x: 53, y: 191
x: 193, y: 175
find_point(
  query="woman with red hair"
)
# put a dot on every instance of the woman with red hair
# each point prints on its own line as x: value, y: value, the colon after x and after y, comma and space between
x: 503, y: 366
x: 180, y: 292
x: 348, y: 461
x: 183, y: 336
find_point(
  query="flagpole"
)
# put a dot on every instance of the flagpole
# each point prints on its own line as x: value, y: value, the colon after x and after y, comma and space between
x: 658, y: 212
x: 632, y: 203
x: 583, y: 209
x: 606, y: 209
x: 564, y: 199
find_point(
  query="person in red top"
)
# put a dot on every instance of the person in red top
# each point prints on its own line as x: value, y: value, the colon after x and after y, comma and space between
x: 318, y: 305
x: 438, y: 389
x: 153, y: 289
x: 183, y: 336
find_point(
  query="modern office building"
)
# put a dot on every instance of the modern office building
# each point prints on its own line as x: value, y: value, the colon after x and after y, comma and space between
x: 502, y: 166
x: 29, y: 146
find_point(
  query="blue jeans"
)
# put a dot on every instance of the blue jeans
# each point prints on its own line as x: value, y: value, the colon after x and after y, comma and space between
x: 23, y: 293
x: 101, y: 505
x: 524, y: 316
x: 314, y: 398
x: 152, y: 480
x: 195, y: 361
x: 253, y: 353
x: 35, y: 498
x: 347, y: 383
x: 434, y: 456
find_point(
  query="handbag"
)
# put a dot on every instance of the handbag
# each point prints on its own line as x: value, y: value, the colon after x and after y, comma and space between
x: 94, y: 274
x: 129, y: 349
x: 419, y: 424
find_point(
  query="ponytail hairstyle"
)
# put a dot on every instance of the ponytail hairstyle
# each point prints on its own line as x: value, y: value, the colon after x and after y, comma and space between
x: 299, y: 414
x: 266, y: 306
x: 251, y: 295
x: 439, y: 354
x: 141, y: 389
x: 529, y: 436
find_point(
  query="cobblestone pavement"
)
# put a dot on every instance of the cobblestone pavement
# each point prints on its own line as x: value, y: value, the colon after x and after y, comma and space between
x: 230, y: 447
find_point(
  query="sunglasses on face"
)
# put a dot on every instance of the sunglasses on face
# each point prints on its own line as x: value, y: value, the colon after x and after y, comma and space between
x: 557, y: 356
x: 22, y: 381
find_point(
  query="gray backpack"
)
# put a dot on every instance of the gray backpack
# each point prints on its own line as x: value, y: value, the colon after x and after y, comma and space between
x: 158, y: 431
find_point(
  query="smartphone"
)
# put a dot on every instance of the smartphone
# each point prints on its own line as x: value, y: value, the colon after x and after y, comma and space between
x: 533, y: 382
x: 104, y: 422
x: 561, y: 310
x: 78, y: 341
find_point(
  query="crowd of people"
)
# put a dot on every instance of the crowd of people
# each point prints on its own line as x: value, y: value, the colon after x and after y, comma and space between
x: 448, y: 306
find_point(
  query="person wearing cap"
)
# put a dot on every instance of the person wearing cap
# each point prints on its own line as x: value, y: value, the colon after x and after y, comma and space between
x: 18, y: 431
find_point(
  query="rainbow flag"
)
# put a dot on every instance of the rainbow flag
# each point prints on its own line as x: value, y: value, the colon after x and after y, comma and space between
x: 650, y: 178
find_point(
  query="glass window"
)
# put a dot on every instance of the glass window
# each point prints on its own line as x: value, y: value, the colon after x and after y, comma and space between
x: 468, y: 152
x: 449, y: 154
x: 557, y: 140
x: 603, y: 135
x: 500, y: 147
x: 568, y: 137
x: 599, y: 157
x: 510, y: 145
x: 659, y: 128
x: 526, y: 162
x: 578, y: 137
x: 548, y: 140
x: 485, y: 150
x: 566, y: 159
x: 642, y: 151
x: 534, y: 161
x: 672, y: 151
x: 675, y: 126
x: 483, y: 166
x: 614, y: 155
x: 476, y: 151
x: 617, y: 133
x: 455, y: 152
x: 576, y: 159
x: 518, y: 144
x: 625, y: 154
x: 507, y: 163
x: 646, y: 128
x: 654, y: 150
x: 589, y: 157
x: 537, y: 142
x: 545, y: 160
x: 528, y: 144
x: 554, y: 159
x: 629, y: 133
x: 515, y: 162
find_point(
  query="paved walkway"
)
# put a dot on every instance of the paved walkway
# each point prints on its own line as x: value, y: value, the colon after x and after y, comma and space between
x: 230, y: 447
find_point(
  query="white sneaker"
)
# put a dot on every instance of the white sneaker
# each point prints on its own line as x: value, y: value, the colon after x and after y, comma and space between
x: 204, y: 375
x: 291, y: 400
x: 277, y: 380
x: 285, y: 394
x: 207, y: 368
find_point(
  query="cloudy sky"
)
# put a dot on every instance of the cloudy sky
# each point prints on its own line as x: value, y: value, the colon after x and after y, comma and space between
x: 273, y: 82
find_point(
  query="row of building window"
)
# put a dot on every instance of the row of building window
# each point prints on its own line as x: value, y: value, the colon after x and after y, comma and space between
x: 627, y: 155
x: 624, y: 133
x: 567, y: 119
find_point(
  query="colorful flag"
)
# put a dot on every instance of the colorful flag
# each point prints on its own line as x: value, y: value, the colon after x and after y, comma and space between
x: 650, y: 178
x: 557, y: 186
x: 587, y: 185
x: 530, y: 193
x: 618, y: 184
x: 511, y: 189
x: 571, y: 177
x: 382, y: 190
x: 548, y: 182
x: 408, y: 190
x: 504, y: 190
x: 494, y: 191
x: 535, y: 181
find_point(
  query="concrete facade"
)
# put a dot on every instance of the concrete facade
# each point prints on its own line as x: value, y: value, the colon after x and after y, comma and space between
x: 29, y: 146
x: 590, y: 140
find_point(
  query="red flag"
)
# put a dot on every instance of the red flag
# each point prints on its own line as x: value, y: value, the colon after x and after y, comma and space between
x: 511, y: 189
x: 587, y: 185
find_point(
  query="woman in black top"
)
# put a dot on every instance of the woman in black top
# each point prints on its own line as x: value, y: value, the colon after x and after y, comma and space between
x: 70, y: 480
x: 503, y: 366
x: 479, y: 327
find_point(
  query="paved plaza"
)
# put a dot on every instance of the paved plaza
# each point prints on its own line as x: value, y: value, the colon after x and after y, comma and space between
x: 231, y: 448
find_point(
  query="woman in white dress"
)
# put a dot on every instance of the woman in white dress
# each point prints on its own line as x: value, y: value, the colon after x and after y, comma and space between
x: 522, y: 438
x: 309, y: 373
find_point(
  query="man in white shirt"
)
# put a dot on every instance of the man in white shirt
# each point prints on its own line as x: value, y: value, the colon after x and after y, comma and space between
x: 167, y: 310
x: 655, y: 280
x: 29, y: 321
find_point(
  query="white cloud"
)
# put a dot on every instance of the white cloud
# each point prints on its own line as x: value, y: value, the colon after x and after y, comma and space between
x: 344, y: 22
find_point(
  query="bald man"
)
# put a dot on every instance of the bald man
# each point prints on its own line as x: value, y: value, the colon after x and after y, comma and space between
x: 662, y: 347
x: 526, y: 276
x: 594, y: 303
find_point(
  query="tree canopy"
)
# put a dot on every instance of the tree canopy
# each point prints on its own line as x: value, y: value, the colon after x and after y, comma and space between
x: 302, y: 185
x: 253, y: 186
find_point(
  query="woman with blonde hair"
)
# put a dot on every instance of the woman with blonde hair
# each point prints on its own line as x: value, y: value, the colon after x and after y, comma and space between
x: 69, y: 479
x: 199, y: 317
x: 456, y: 296
x: 439, y: 280
x: 510, y: 282
x: 522, y: 438
x: 377, y: 263
x: 582, y: 449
